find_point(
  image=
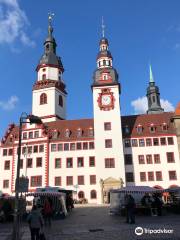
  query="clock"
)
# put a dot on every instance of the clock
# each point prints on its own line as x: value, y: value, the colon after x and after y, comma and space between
x: 106, y: 99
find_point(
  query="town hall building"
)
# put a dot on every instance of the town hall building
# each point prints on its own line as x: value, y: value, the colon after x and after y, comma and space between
x: 91, y: 156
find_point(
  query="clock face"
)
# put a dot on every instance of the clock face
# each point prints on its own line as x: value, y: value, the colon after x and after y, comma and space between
x: 106, y: 100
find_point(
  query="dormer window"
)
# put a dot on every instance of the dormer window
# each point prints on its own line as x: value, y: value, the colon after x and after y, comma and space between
x: 55, y: 134
x: 139, y: 129
x: 79, y: 132
x: 164, y: 127
x: 91, y: 132
x: 152, y: 129
x: 126, y: 129
x: 67, y: 133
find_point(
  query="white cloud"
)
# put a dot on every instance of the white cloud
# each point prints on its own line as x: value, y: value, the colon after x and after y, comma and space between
x: 10, y: 104
x: 13, y: 22
x: 140, y: 105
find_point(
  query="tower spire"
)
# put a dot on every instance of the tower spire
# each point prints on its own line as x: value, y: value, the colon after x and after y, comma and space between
x: 151, y: 79
x: 153, y: 95
x: 50, y: 28
x: 103, y: 27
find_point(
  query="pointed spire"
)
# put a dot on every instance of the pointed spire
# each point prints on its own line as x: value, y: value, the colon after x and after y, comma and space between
x: 151, y: 79
x: 103, y: 27
x: 50, y: 28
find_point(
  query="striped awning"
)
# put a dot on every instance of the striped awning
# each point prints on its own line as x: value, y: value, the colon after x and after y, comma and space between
x: 136, y: 189
x: 45, y: 194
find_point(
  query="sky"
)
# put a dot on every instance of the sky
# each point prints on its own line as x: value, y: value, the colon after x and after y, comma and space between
x: 140, y: 33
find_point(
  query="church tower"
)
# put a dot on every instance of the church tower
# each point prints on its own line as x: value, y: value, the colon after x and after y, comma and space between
x: 49, y: 94
x: 153, y: 96
x: 107, y: 119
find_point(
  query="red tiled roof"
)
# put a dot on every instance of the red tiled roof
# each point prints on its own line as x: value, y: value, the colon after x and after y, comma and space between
x: 145, y: 120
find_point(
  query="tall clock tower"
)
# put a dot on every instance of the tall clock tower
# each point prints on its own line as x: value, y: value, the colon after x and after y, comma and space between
x: 107, y: 118
x: 49, y: 94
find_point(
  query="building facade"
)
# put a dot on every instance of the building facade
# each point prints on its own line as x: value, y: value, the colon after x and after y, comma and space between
x: 91, y: 156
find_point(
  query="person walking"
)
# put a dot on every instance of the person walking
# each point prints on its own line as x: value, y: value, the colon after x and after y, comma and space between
x: 47, y: 212
x: 130, y: 209
x: 35, y: 221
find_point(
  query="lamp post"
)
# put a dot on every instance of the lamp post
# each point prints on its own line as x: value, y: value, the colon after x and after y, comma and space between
x: 23, y: 119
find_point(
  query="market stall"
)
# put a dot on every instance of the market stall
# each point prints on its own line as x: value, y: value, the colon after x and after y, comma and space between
x: 58, y: 200
x: 117, y: 196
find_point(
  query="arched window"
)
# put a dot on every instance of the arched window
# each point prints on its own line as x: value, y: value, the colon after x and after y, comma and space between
x: 60, y: 101
x: 93, y: 194
x: 43, y: 99
x: 81, y: 194
x: 44, y: 77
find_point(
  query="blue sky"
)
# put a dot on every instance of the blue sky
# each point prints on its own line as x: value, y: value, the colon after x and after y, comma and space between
x: 139, y: 32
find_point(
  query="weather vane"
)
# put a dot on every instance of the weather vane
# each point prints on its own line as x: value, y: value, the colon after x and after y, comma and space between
x: 103, y: 26
x: 50, y: 17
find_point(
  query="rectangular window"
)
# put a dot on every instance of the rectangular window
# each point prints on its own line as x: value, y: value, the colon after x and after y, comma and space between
x: 4, y: 152
x: 150, y: 176
x: 157, y: 158
x: 142, y: 176
x: 60, y: 147
x: 170, y: 140
x: 41, y: 148
x: 35, y: 149
x: 92, y: 179
x: 57, y: 181
x: 155, y: 141
x: 107, y: 126
x: 7, y: 165
x: 149, y: 159
x: 170, y: 157
x: 80, y: 162
x: 127, y: 143
x: 148, y: 142
x: 141, y: 159
x: 134, y: 143
x: 129, y: 177
x: 109, y: 163
x: 69, y: 162
x: 30, y: 134
x: 57, y: 162
x: 69, y: 180
x: 29, y: 149
x: 72, y: 146
x: 163, y: 141
x: 5, y: 183
x: 80, y: 180
x: 78, y: 146
x: 92, y: 161
x: 141, y: 142
x: 108, y: 143
x: 29, y: 162
x: 85, y: 145
x: 24, y: 135
x: 158, y: 176
x: 39, y: 162
x: 172, y: 175
x: 91, y: 145
x: 36, y: 134
x: 21, y: 163
x: 36, y: 181
x: 128, y: 159
x: 53, y: 147
x: 10, y: 152
x: 66, y: 146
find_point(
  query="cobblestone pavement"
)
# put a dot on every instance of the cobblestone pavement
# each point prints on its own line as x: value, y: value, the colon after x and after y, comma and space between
x: 95, y: 223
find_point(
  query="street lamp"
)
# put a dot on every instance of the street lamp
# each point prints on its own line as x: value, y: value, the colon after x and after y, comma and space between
x: 23, y: 119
